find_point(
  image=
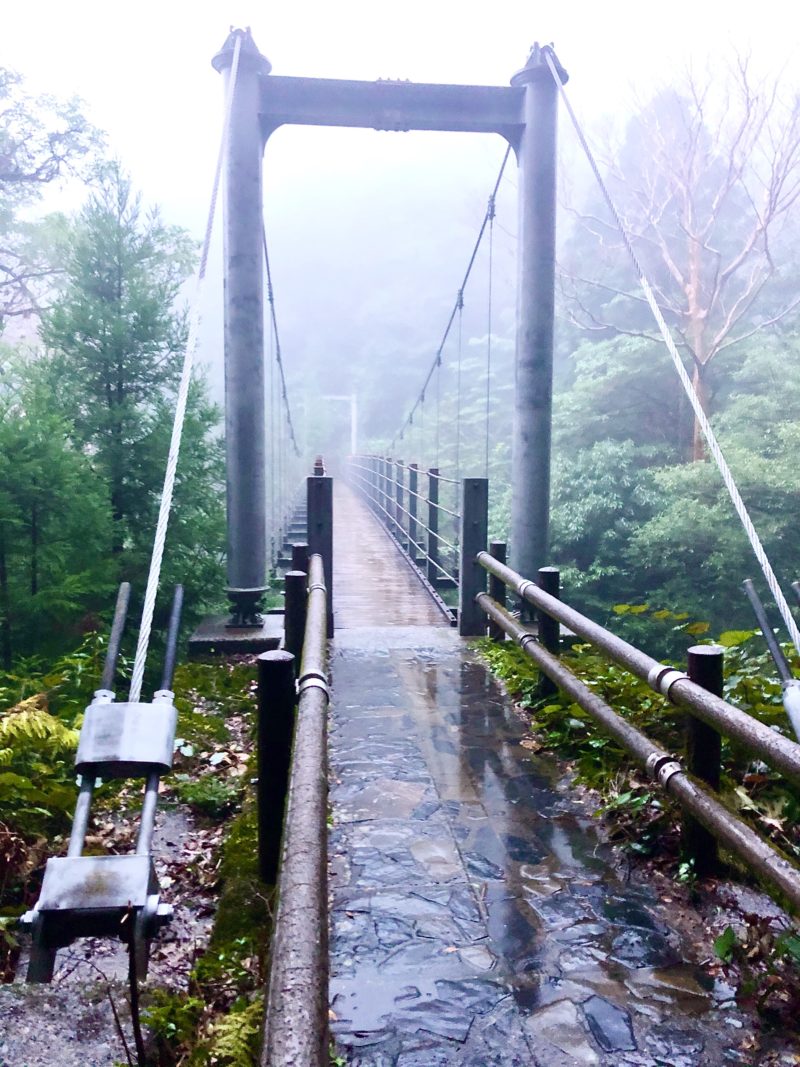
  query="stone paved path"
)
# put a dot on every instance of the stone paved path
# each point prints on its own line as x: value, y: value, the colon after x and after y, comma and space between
x: 477, y: 919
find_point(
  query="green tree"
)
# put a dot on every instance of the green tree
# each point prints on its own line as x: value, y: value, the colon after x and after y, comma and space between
x: 41, y: 140
x: 54, y: 523
x: 115, y: 338
x: 706, y: 180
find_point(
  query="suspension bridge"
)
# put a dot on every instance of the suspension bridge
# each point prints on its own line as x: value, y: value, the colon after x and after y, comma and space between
x: 461, y: 908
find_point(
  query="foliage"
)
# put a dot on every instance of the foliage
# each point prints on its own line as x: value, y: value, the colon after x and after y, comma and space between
x: 705, y: 179
x: 55, y: 522
x: 226, y: 982
x: 235, y: 1038
x: 116, y: 339
x: 41, y: 140
x: 173, y: 1020
x: 638, y: 815
x: 766, y: 961
x: 208, y: 795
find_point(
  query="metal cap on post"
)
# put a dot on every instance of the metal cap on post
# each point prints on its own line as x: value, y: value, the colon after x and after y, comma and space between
x: 549, y: 581
x: 703, y: 755
x: 245, y: 435
x: 295, y: 584
x: 497, y: 589
x: 320, y: 531
x: 276, y: 714
x: 300, y: 556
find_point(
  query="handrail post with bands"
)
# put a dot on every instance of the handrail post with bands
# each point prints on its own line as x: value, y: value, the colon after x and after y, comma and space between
x: 474, y: 533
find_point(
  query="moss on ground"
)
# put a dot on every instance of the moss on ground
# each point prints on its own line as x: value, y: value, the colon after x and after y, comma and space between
x: 220, y: 1020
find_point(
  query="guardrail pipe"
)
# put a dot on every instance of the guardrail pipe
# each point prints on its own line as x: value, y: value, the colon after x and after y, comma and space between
x: 778, y: 751
x: 474, y: 534
x: 296, y: 1021
x: 660, y: 765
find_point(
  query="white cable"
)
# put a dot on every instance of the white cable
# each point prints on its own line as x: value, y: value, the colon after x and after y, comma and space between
x: 180, y: 409
x: 694, y: 400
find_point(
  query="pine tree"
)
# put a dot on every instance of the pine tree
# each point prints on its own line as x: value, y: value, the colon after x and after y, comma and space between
x: 115, y: 340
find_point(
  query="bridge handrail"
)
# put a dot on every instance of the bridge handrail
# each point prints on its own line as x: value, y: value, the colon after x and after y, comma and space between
x: 296, y: 1023
x: 412, y: 517
x: 775, y: 749
x: 660, y: 765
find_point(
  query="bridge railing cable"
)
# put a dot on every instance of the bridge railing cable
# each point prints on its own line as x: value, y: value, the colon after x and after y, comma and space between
x: 277, y: 350
x: 455, y: 313
x: 686, y: 382
x: 159, y: 541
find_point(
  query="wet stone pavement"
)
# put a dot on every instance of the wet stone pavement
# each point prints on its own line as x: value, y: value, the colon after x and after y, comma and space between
x: 476, y: 917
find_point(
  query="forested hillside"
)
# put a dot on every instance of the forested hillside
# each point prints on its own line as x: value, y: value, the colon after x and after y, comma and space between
x: 87, y: 402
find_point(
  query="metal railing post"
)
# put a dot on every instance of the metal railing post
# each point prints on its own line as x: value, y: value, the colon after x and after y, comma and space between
x: 413, y: 532
x: 549, y: 581
x: 703, y: 756
x: 472, y: 576
x: 300, y: 557
x: 433, y: 525
x: 384, y: 516
x: 376, y: 482
x: 276, y: 714
x: 497, y: 589
x: 320, y: 531
x: 399, y: 486
x: 295, y: 585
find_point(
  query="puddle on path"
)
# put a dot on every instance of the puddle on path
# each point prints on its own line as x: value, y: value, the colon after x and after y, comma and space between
x: 477, y: 917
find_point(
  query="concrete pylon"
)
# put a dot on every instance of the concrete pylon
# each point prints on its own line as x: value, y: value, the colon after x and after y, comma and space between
x: 245, y: 431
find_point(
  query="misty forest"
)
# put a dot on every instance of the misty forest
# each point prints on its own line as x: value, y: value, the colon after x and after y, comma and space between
x: 94, y: 321
x: 707, y: 182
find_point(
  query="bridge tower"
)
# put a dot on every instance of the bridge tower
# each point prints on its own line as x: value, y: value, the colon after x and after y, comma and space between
x: 525, y: 114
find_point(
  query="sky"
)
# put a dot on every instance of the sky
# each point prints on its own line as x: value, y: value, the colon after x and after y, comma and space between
x: 144, y: 71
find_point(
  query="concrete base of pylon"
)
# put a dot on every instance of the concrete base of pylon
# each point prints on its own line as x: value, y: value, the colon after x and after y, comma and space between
x: 213, y: 637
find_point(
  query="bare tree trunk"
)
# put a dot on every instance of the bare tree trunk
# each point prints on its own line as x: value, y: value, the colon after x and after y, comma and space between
x: 701, y: 388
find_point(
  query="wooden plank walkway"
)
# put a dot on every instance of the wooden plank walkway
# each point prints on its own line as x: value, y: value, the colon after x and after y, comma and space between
x: 477, y: 919
x: 373, y: 584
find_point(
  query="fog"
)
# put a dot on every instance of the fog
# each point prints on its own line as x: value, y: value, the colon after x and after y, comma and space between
x: 369, y: 232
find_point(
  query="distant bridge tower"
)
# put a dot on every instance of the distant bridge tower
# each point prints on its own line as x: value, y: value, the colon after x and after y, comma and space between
x: 525, y: 114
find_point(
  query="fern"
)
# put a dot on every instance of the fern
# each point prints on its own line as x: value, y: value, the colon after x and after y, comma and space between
x: 235, y: 1038
x: 28, y: 728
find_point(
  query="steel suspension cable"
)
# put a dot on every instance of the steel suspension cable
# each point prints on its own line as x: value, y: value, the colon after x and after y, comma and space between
x: 278, y: 354
x: 438, y: 406
x: 438, y: 357
x: 489, y: 329
x: 694, y: 400
x: 272, y: 466
x: 165, y: 506
x: 458, y: 382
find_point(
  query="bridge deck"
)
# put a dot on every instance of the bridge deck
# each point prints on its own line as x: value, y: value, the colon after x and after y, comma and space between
x: 477, y: 919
